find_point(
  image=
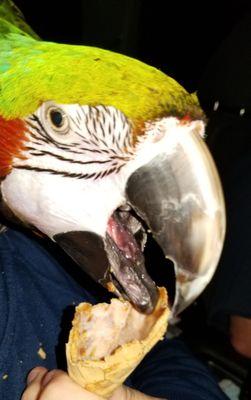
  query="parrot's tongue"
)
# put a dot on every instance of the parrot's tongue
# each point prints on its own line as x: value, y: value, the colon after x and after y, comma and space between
x: 124, y: 246
x: 122, y: 237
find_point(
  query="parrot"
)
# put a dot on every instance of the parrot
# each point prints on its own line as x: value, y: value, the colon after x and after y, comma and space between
x: 97, y: 149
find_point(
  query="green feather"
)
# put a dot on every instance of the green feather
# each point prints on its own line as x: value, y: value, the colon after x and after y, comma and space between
x: 12, y: 20
x: 33, y: 71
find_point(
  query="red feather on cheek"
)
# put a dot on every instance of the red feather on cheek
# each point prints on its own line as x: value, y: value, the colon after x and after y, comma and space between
x: 12, y: 142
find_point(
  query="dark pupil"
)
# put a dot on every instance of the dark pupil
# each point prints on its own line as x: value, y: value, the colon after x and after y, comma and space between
x: 56, y: 118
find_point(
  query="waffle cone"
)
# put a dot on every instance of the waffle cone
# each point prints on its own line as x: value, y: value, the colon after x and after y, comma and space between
x: 104, y: 375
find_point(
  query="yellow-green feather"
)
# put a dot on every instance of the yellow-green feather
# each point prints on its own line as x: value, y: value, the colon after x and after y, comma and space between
x: 33, y: 71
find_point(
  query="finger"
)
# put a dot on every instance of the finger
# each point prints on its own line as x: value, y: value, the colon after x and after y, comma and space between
x: 36, y: 373
x: 34, y: 380
x: 57, y: 385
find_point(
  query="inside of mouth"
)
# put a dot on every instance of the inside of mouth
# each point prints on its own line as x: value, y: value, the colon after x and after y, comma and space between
x: 127, y: 273
x: 127, y: 232
x: 160, y: 268
x: 133, y: 239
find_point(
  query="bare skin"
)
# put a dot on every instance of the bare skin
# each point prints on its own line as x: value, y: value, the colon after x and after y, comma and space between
x: 56, y: 385
x: 240, y: 335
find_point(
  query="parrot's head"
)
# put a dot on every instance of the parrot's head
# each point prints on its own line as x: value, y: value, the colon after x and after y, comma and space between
x: 95, y: 150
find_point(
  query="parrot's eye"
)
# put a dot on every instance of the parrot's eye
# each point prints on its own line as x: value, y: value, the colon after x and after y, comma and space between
x: 58, y: 120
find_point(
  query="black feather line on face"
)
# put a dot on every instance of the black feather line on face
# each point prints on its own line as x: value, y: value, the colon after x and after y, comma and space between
x: 69, y: 160
x: 67, y: 174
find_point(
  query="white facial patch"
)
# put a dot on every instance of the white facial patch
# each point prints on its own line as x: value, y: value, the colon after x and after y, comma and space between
x: 77, y: 163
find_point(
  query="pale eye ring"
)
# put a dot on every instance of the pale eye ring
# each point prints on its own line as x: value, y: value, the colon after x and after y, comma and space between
x: 58, y: 120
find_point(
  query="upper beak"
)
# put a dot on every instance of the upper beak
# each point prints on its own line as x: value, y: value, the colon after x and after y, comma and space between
x: 178, y: 194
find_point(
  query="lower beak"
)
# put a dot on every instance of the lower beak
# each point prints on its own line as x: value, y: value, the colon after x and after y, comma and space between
x: 179, y: 196
x: 105, y: 263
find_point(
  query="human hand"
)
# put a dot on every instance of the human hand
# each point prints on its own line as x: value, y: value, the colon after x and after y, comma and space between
x: 57, y: 385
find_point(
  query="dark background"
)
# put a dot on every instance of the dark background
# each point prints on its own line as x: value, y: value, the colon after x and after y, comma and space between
x: 179, y: 37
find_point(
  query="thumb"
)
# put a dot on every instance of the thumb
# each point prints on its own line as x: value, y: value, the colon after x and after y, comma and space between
x: 57, y: 385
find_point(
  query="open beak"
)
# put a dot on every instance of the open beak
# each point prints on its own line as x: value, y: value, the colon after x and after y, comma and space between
x: 178, y: 195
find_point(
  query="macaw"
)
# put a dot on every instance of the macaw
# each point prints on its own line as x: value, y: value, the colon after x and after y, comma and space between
x: 97, y: 148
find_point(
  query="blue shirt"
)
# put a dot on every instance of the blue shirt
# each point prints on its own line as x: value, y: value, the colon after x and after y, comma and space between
x: 37, y: 299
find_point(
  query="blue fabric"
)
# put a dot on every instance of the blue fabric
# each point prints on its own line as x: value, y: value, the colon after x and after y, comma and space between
x: 37, y: 298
